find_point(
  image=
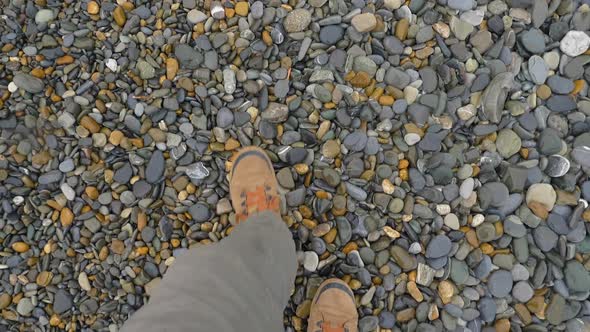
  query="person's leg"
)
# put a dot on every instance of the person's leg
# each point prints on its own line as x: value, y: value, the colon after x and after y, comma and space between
x: 242, y: 283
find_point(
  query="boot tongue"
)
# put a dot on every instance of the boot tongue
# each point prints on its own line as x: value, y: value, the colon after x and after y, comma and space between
x: 327, y: 327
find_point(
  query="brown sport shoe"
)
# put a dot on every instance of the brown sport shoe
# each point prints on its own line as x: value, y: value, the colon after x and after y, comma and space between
x: 333, y: 308
x: 253, y: 185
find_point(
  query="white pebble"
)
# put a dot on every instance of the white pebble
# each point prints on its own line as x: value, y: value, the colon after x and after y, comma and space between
x: 477, y: 220
x: 68, y: 191
x: 412, y: 138
x: 415, y: 248
x: 12, y: 88
x: 551, y: 59
x: 466, y: 188
x: 452, y: 221
x: 443, y: 209
x: 574, y: 43
x: 195, y: 16
x: 68, y: 94
x: 471, y: 65
x: 466, y: 112
x: 84, y: 282
x: 44, y: 16
x: 310, y: 261
x: 18, y: 200
x: 217, y: 11
x: 410, y: 94
x: 112, y: 65
x: 392, y: 4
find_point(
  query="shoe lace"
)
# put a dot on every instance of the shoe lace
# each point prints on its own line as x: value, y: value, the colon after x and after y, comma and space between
x: 256, y: 200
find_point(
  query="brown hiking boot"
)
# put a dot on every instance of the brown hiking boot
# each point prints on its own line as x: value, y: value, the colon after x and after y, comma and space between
x: 333, y: 308
x: 253, y: 185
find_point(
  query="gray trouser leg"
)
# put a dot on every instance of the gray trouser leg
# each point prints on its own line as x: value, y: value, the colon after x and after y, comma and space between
x: 242, y: 283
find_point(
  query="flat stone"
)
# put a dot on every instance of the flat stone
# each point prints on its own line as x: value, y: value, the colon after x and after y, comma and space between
x: 393, y: 45
x: 364, y: 64
x: 522, y: 291
x: 460, y: 28
x: 549, y: 142
x: 295, y: 197
x: 508, y: 143
x: 461, y: 5
x: 481, y: 40
x: 25, y: 307
x: 577, y: 277
x: 487, y: 308
x: 195, y: 16
x: 146, y: 71
x: 581, y: 155
x: 331, y: 34
x: 402, y: 258
x: 297, y: 20
x: 28, y: 83
x: 310, y: 261
x: 500, y: 283
x: 514, y: 227
x: 275, y: 113
x: 386, y: 319
x: 50, y: 177
x: 545, y: 238
x: 154, y: 171
x: 493, y: 194
x: 355, y: 141
x: 44, y: 16
x: 459, y: 271
x: 364, y: 22
x: 368, y: 323
x: 561, y: 103
x: 123, y: 174
x: 396, y: 77
x: 486, y: 232
x: 200, y: 212
x: 560, y: 84
x: 556, y: 310
x: 188, y: 57
x: 538, y: 69
x: 439, y: 246
x: 62, y: 301
x: 542, y: 193
x: 533, y: 41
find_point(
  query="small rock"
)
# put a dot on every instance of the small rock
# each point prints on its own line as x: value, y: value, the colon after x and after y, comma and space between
x: 364, y: 22
x: 44, y: 16
x: 310, y: 261
x: 500, y: 283
x: 575, y: 43
x: 195, y: 16
x: 62, y: 302
x: 28, y: 83
x: 297, y: 20
x: 508, y: 143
